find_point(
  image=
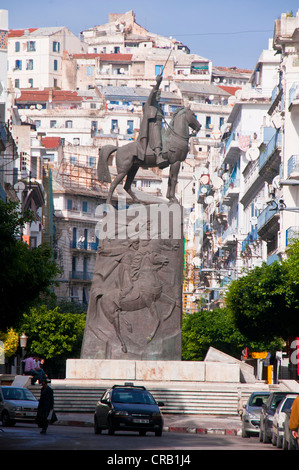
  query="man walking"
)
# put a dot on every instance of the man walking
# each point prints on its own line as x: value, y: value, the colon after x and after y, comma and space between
x: 46, y: 404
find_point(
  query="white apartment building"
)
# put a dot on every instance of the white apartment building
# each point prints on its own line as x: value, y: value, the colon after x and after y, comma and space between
x: 35, y: 56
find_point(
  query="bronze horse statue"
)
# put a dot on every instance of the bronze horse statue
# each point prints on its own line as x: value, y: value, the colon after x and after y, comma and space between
x: 175, y: 139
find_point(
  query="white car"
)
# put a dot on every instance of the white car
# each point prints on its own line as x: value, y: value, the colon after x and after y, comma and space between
x: 279, y: 419
x: 17, y: 404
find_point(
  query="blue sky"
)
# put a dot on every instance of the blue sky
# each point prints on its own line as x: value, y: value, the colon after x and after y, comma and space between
x: 228, y: 32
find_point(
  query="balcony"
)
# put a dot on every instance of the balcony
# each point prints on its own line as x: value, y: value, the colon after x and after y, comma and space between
x: 293, y: 167
x: 228, y: 238
x: 232, y: 150
x: 231, y: 191
x: 252, y: 236
x: 294, y: 96
x: 268, y: 222
x: 269, y: 160
x: 81, y: 276
x: 88, y: 246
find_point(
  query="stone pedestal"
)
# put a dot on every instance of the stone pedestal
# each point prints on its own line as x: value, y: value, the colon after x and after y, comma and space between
x: 135, y: 305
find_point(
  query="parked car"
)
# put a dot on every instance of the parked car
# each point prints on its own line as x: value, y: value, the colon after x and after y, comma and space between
x: 267, y: 413
x: 128, y: 408
x: 279, y: 418
x: 289, y: 442
x: 251, y: 413
x: 17, y: 404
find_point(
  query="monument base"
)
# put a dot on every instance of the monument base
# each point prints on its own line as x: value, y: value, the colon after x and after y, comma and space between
x: 152, y: 371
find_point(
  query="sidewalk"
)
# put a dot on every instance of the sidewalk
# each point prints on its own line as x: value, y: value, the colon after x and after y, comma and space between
x: 197, y: 424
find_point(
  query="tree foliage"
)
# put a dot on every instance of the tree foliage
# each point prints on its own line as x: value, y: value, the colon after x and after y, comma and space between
x: 26, y: 274
x: 265, y: 303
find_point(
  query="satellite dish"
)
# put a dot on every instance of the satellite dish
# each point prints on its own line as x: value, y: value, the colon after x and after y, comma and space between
x: 23, y: 118
x: 39, y: 106
x: 216, y: 181
x: 205, y: 179
x: 19, y: 186
x: 276, y: 182
x: 277, y: 120
x: 252, y: 154
x: 225, y: 177
x: 209, y: 200
x: 203, y: 189
x: 196, y: 261
x: 211, y: 97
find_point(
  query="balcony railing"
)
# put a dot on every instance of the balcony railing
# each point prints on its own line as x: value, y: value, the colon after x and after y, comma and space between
x: 252, y: 236
x: 266, y: 215
x: 294, y: 92
x: 274, y: 143
x: 93, y: 246
x: 81, y: 275
x: 293, y: 164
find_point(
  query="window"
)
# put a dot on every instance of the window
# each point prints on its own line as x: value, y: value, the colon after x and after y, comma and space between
x: 89, y: 70
x: 53, y: 124
x: 29, y: 64
x: 84, y: 206
x: 114, y: 125
x: 30, y: 81
x: 130, y: 126
x: 31, y: 46
x: 92, y: 162
x: 56, y: 46
x: 17, y: 83
x: 70, y: 207
x: 55, y: 64
x: 93, y: 105
x: 18, y: 65
x: 73, y: 160
x: 68, y: 124
x: 37, y: 123
x: 76, y: 141
x: 17, y: 46
x: 158, y: 69
x: 116, y: 50
x: 208, y: 122
x: 221, y: 122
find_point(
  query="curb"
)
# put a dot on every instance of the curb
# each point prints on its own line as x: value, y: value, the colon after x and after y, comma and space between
x: 177, y: 429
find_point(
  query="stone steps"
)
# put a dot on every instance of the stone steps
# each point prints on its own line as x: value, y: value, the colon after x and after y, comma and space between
x: 83, y: 399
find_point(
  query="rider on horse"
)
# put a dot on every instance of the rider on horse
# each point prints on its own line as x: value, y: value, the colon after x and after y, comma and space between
x: 150, y: 134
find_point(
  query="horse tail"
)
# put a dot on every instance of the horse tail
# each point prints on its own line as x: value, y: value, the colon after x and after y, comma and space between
x: 103, y: 169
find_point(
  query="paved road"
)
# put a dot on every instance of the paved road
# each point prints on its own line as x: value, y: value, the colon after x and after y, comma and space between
x: 28, y: 437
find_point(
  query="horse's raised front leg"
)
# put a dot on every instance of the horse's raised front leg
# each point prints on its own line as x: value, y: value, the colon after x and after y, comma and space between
x: 172, y: 181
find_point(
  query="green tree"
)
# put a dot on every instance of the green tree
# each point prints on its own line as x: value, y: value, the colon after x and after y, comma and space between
x: 265, y: 302
x: 54, y: 335
x: 26, y: 274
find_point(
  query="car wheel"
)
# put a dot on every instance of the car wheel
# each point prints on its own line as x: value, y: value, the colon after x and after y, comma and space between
x: 261, y: 437
x: 6, y: 421
x: 142, y: 433
x: 279, y: 442
x: 97, y: 430
x: 284, y: 443
x: 245, y: 433
x: 158, y: 432
x: 274, y: 439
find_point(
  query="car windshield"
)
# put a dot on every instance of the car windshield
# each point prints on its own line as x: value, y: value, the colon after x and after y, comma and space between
x: 287, y: 404
x: 258, y: 400
x: 133, y: 396
x: 12, y: 393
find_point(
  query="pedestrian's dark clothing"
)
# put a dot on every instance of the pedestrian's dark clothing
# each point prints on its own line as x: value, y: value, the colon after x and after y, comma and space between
x: 46, y: 404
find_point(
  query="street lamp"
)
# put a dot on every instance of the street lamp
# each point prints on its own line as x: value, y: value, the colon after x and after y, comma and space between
x: 23, y: 344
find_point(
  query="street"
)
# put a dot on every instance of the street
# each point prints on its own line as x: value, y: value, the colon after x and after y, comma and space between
x: 28, y: 437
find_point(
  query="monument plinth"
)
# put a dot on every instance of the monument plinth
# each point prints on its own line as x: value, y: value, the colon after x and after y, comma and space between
x: 135, y: 301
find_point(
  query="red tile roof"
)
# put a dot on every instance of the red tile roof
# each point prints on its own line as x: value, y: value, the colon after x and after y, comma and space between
x: 230, y: 89
x: 44, y: 95
x: 51, y: 142
x: 16, y: 33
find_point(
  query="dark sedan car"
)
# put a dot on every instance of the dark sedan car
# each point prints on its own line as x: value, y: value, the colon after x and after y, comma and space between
x: 128, y: 408
x: 17, y: 404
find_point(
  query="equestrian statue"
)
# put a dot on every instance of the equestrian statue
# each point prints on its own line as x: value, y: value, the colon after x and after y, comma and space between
x: 156, y: 146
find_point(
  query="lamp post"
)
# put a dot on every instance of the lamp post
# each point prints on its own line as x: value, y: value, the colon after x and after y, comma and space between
x: 23, y: 344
